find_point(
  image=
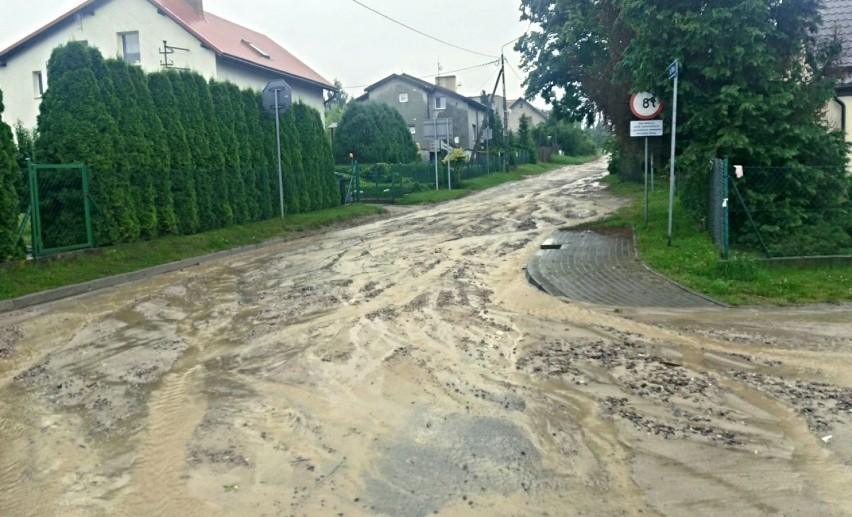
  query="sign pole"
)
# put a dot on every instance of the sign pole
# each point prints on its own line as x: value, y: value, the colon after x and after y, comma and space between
x: 646, y: 181
x: 278, y: 141
x: 271, y: 102
x: 673, y: 73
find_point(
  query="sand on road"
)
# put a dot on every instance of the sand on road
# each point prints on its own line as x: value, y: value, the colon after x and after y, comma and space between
x: 406, y: 367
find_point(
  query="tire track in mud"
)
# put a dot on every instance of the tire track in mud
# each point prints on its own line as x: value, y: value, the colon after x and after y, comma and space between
x: 160, y: 472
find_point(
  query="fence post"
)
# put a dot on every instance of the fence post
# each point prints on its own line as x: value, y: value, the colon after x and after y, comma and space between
x: 725, y: 214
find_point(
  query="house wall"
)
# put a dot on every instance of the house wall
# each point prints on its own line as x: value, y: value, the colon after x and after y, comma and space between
x: 414, y: 112
x: 101, y: 30
x: 519, y: 110
x: 248, y: 77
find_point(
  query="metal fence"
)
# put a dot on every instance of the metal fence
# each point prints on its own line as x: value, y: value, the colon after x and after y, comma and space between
x: 384, y: 183
x: 796, y: 211
x: 717, y: 217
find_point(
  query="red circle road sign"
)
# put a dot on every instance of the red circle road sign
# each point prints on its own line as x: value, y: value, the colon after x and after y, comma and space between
x: 645, y: 105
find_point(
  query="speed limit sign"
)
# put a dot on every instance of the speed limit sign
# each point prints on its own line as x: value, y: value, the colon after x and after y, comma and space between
x: 645, y: 105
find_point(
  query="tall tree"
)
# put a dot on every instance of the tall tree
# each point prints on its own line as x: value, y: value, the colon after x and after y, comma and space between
x: 753, y: 84
x: 9, y: 207
x: 180, y: 156
x: 75, y: 126
x: 375, y: 132
x: 136, y: 159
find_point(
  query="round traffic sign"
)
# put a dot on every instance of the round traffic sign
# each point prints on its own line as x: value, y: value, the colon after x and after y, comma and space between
x: 645, y: 105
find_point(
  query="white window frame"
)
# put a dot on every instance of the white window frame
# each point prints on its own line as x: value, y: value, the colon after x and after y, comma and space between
x: 442, y: 105
x: 403, y: 98
x: 38, y: 84
x: 130, y: 57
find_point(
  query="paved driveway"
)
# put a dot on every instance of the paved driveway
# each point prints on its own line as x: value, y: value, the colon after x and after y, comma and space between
x: 602, y: 267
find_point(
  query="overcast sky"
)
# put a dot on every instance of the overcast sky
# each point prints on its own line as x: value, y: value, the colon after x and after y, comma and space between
x: 344, y: 40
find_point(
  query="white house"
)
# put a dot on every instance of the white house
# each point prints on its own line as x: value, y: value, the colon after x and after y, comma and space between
x: 156, y: 35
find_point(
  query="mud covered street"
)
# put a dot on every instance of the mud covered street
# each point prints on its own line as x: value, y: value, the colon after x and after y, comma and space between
x: 406, y: 367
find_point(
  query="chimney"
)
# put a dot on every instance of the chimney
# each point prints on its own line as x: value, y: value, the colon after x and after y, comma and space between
x: 446, y: 81
x: 197, y: 6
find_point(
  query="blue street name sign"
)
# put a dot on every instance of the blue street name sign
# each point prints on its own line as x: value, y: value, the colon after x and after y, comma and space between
x: 672, y: 69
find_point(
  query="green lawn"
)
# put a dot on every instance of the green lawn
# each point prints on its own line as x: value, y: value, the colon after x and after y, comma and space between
x: 694, y: 261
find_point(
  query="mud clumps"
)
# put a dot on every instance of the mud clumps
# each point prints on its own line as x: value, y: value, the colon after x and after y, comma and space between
x: 822, y: 405
x: 9, y: 338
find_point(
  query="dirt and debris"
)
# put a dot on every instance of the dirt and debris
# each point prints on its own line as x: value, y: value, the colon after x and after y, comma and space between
x: 406, y: 367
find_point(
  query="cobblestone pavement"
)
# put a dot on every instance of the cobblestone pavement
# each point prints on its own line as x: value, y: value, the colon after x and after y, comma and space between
x: 602, y: 267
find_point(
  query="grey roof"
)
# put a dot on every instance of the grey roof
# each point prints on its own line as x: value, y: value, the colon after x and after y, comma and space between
x: 837, y: 20
x: 425, y: 85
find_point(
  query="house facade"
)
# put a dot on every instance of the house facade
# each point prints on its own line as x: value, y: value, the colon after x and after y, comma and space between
x: 837, y: 22
x: 425, y: 106
x: 518, y: 108
x: 155, y: 35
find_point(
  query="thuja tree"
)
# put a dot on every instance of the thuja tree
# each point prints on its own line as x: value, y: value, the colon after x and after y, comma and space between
x: 374, y: 132
x: 249, y: 209
x: 180, y: 157
x: 160, y: 157
x: 75, y: 126
x: 9, y: 207
x: 321, y: 164
x: 195, y: 127
x: 136, y: 158
x: 261, y: 158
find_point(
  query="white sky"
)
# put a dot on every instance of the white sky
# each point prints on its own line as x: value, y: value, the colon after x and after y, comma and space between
x: 341, y: 39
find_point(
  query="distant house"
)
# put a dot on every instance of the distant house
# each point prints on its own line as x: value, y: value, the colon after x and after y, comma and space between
x: 837, y: 21
x: 424, y: 106
x: 155, y: 35
x: 518, y: 108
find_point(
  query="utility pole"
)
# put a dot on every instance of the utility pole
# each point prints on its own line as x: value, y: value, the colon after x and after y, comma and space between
x: 505, y: 115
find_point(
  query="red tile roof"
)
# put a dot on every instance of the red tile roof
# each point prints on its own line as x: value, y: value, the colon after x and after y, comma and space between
x: 225, y: 38
x: 234, y: 41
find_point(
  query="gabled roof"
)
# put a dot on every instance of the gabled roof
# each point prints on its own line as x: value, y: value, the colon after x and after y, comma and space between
x: 530, y: 106
x: 227, y: 39
x: 424, y: 85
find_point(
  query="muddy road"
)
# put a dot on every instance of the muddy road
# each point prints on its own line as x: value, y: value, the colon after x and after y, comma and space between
x: 406, y: 367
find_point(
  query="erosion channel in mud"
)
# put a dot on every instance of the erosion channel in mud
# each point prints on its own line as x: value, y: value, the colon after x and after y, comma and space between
x: 406, y: 367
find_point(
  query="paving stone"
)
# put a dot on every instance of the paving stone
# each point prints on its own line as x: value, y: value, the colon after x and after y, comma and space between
x: 602, y: 267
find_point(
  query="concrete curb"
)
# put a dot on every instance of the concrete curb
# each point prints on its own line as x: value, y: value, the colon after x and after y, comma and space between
x: 69, y: 291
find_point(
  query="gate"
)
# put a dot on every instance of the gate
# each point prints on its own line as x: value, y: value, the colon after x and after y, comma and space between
x: 60, y: 208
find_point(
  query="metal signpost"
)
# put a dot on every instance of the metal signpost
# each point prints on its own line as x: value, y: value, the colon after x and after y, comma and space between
x: 673, y: 71
x: 437, y: 131
x: 277, y: 97
x: 645, y: 106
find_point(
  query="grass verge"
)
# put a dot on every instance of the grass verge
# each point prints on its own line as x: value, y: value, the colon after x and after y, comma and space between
x: 492, y: 180
x: 28, y: 277
x: 693, y: 260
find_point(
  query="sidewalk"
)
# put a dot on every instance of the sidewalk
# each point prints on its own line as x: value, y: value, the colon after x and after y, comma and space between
x: 602, y: 267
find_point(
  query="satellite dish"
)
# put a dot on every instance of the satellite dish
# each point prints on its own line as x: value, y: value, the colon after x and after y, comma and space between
x: 277, y: 90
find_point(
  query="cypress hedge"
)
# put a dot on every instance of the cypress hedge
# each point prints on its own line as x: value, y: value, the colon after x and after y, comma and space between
x: 9, y: 174
x: 171, y: 152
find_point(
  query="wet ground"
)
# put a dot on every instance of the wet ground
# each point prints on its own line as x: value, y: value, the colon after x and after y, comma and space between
x: 406, y: 367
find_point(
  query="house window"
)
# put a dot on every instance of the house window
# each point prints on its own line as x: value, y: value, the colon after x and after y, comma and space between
x: 412, y: 129
x: 38, y: 84
x: 403, y: 97
x: 440, y: 103
x: 130, y: 46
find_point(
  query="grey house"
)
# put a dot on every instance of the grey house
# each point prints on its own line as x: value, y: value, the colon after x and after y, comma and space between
x: 425, y: 106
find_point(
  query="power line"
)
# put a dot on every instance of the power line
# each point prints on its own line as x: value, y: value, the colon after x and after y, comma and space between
x: 421, y: 32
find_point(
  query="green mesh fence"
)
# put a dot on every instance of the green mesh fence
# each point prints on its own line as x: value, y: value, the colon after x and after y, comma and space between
x: 791, y: 211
